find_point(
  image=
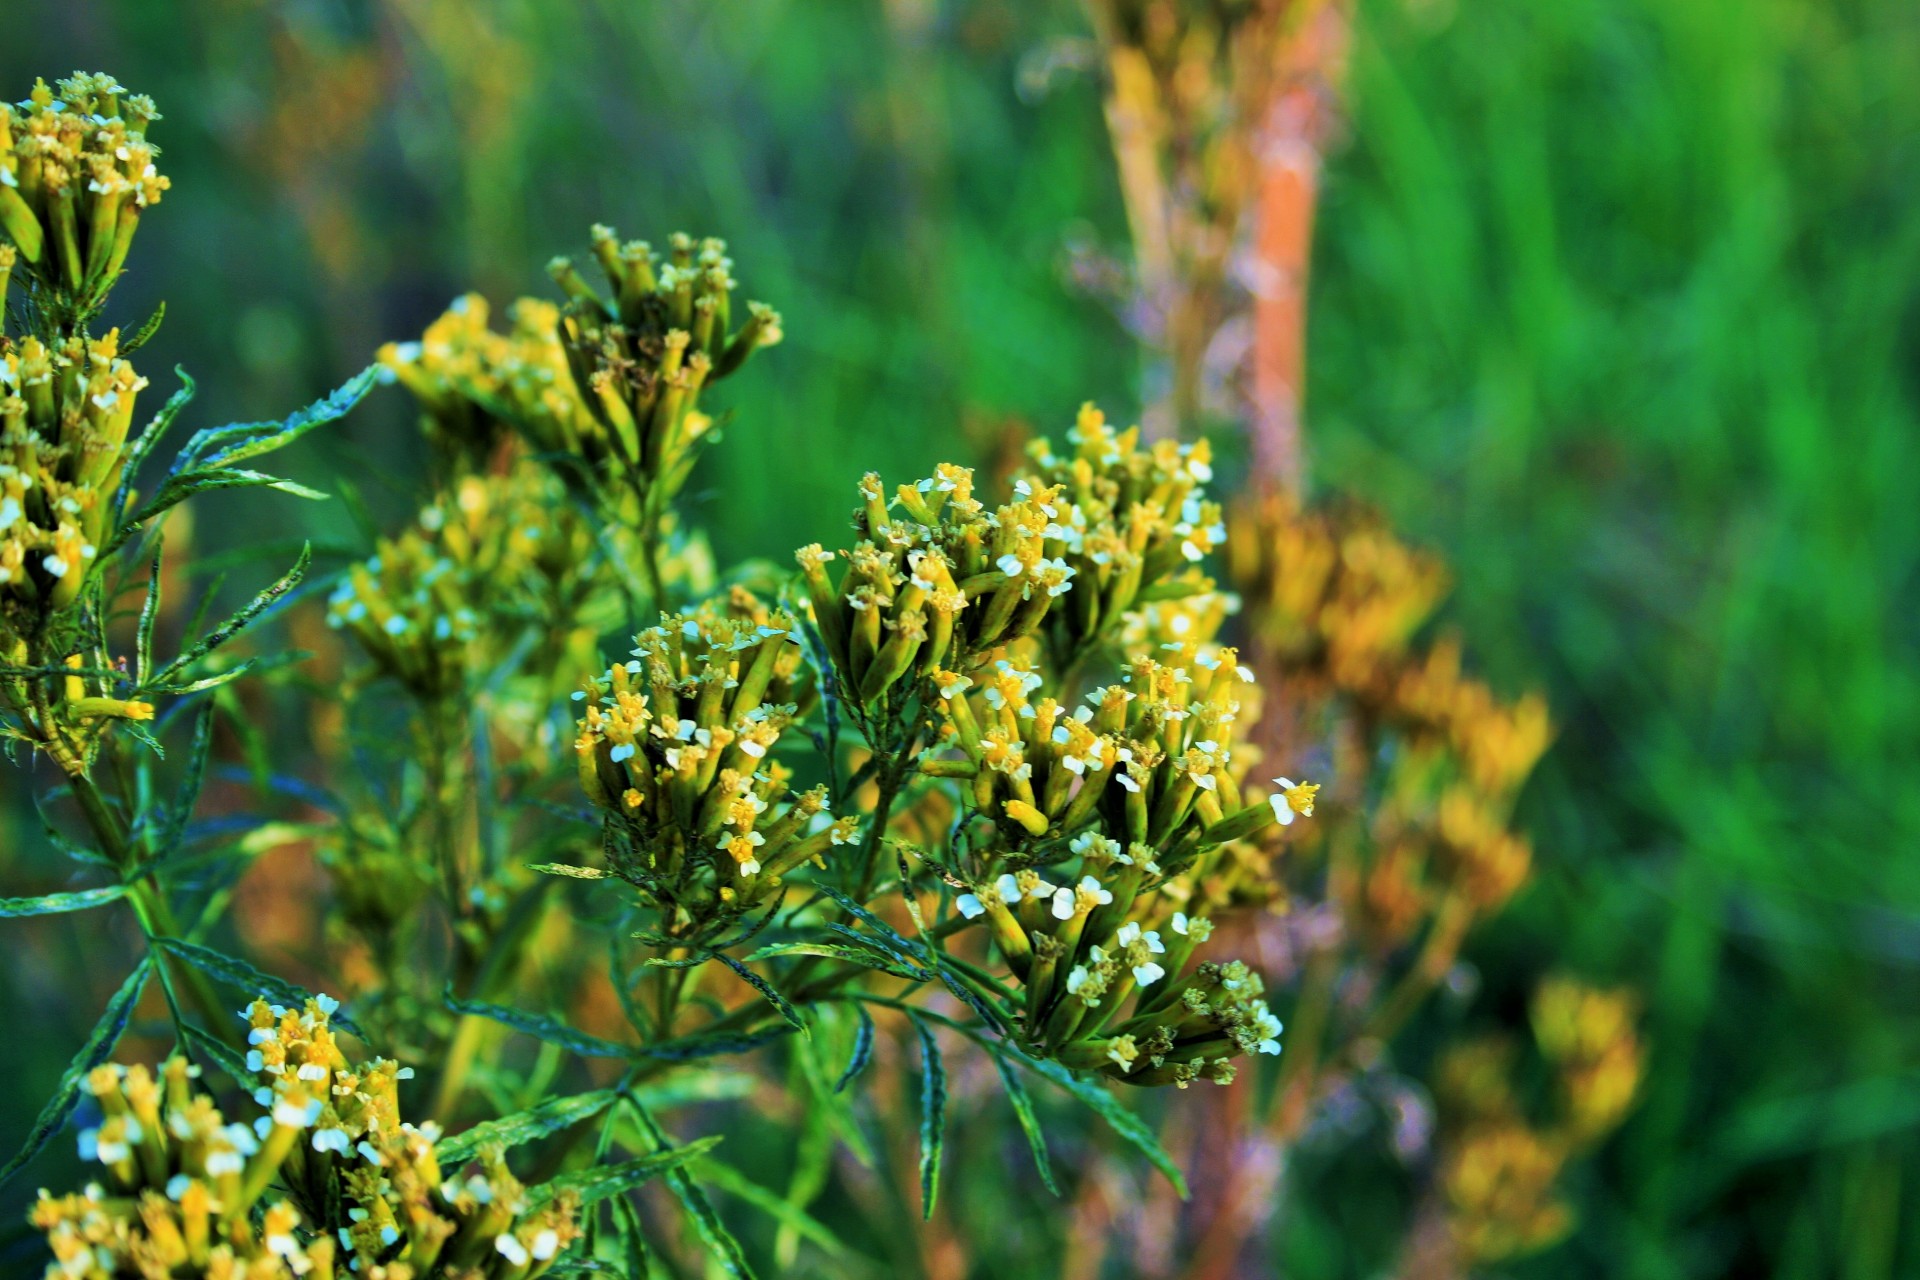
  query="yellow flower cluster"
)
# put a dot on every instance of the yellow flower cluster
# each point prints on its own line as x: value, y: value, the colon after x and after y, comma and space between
x: 76, y: 173
x: 1086, y: 947
x: 1334, y: 601
x: 676, y: 747
x: 1589, y: 1035
x: 1148, y: 759
x: 1134, y: 521
x: 184, y: 1192
x: 642, y: 358
x: 1499, y: 1172
x: 1112, y: 799
x: 611, y: 384
x: 476, y: 386
x: 493, y: 555
x: 1500, y: 1184
x: 64, y: 417
x: 1336, y: 595
x: 940, y: 582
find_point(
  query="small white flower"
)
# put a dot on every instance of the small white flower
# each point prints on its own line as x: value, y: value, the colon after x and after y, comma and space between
x: 1063, y: 907
x: 294, y: 1115
x: 512, y: 1250
x: 1281, y: 809
x: 1147, y: 974
x: 970, y: 906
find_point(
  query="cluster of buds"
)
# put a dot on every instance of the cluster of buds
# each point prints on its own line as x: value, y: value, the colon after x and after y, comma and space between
x: 1148, y: 759
x: 1497, y: 743
x: 1334, y: 602
x: 937, y: 581
x: 492, y: 555
x: 1096, y: 945
x: 178, y: 1188
x: 1499, y: 1173
x: 76, y: 173
x: 1134, y: 520
x: 676, y: 747
x: 642, y: 358
x: 407, y: 609
x: 1335, y: 596
x: 64, y: 417
x: 1590, y: 1037
x: 1501, y: 1189
x: 327, y: 1181
x: 475, y: 386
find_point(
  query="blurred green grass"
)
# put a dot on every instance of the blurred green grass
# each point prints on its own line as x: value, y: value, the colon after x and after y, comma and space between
x: 1616, y: 303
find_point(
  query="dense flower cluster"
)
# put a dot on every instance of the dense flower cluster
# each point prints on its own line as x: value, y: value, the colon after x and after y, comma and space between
x: 1136, y: 522
x: 494, y: 555
x: 676, y: 746
x: 64, y: 416
x: 76, y: 174
x: 1499, y: 1169
x: 609, y: 387
x: 475, y: 386
x: 1113, y: 799
x: 1334, y: 601
x: 327, y: 1181
x: 1095, y: 803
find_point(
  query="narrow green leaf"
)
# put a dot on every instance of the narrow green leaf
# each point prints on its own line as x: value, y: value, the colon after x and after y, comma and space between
x: 246, y: 617
x: 149, y: 615
x: 633, y: 1237
x: 144, y: 334
x: 56, y: 903
x: 686, y: 1048
x: 221, y: 1054
x: 549, y: 1117
x: 550, y: 1030
x: 853, y: 953
x: 933, y: 1115
x: 244, y: 977
x: 862, y: 1049
x: 1029, y: 1123
x: 567, y: 869
x: 889, y: 937
x: 765, y: 988
x: 1123, y: 1122
x: 179, y: 810
x: 222, y: 446
x: 97, y: 1049
x: 736, y: 1183
x: 598, y: 1183
x: 713, y: 1233
x: 177, y: 489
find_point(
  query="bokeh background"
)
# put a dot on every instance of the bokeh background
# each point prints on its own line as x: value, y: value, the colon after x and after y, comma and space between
x: 1615, y: 303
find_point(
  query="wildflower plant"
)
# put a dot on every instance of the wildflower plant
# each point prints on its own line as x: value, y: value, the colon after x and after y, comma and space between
x: 934, y: 771
x: 84, y: 680
x: 607, y: 827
